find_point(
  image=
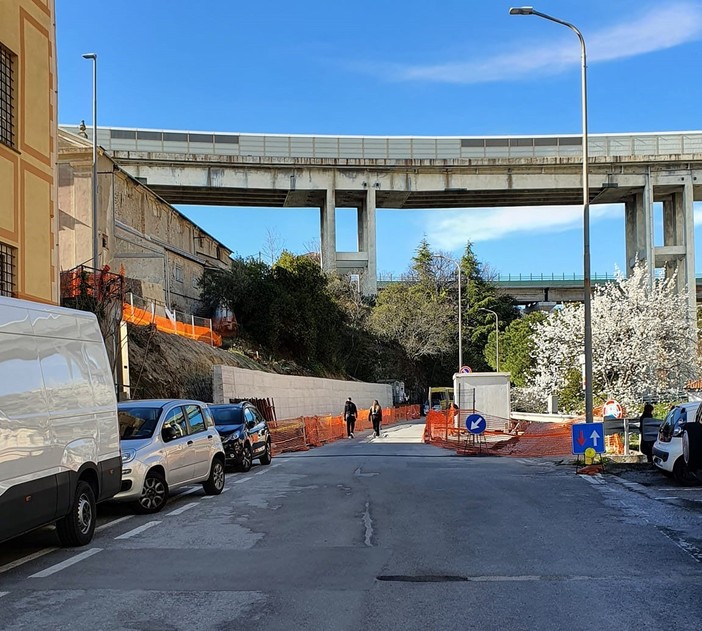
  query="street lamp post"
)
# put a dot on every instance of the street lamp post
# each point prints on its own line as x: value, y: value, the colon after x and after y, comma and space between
x: 96, y: 260
x: 460, y: 316
x: 497, y: 337
x: 586, y: 207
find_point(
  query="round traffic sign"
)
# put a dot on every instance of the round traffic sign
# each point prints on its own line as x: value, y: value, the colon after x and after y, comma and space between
x: 612, y: 409
x: 475, y: 424
x: 466, y: 369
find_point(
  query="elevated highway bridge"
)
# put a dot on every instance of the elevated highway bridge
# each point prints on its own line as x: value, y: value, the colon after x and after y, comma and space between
x: 371, y: 172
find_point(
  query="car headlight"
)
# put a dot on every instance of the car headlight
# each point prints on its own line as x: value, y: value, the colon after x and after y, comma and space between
x: 128, y: 455
x: 678, y: 431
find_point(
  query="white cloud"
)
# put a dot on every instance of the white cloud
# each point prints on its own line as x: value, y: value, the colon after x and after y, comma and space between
x: 451, y: 229
x: 660, y: 28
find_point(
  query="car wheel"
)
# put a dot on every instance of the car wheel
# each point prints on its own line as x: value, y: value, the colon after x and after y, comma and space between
x: 153, y: 494
x: 77, y: 528
x: 246, y: 459
x: 681, y: 474
x: 692, y: 446
x: 267, y: 455
x: 215, y: 483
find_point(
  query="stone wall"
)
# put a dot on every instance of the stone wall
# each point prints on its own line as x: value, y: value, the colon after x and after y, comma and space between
x: 296, y: 396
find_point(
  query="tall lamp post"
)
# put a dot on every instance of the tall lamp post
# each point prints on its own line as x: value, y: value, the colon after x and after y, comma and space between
x: 586, y: 207
x: 497, y: 337
x: 96, y: 260
x: 460, y: 316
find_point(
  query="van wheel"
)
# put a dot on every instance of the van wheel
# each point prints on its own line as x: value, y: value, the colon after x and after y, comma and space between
x: 77, y: 528
x: 267, y: 455
x: 215, y: 483
x: 153, y: 494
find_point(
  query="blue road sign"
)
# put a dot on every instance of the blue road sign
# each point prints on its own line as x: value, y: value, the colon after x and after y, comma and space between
x: 587, y: 435
x: 475, y: 424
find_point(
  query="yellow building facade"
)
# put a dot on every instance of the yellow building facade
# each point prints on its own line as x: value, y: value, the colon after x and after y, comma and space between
x: 28, y: 150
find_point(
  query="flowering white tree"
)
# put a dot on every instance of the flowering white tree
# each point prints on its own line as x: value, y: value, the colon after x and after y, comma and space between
x: 642, y: 341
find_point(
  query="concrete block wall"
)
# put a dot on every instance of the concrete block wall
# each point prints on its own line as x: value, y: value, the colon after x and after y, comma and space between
x: 296, y: 396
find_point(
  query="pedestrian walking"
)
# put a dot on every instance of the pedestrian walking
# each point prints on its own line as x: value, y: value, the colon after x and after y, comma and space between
x: 350, y: 413
x: 375, y: 415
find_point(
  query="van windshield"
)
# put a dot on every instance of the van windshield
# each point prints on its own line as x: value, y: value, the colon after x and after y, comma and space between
x: 137, y: 423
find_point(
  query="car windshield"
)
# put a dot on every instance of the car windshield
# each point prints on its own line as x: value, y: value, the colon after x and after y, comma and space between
x: 227, y: 416
x: 137, y: 422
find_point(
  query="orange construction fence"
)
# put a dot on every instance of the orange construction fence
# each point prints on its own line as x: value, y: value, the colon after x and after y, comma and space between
x: 304, y: 432
x: 503, y: 437
x: 144, y: 317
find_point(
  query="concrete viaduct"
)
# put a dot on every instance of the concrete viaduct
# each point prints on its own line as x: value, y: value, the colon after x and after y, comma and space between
x: 370, y: 172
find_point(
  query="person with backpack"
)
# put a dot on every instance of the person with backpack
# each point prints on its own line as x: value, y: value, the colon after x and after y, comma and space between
x: 350, y: 413
x: 375, y: 415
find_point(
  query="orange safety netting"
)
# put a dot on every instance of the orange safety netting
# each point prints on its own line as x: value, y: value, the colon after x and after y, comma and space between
x: 523, y: 439
x: 299, y: 434
x: 143, y: 317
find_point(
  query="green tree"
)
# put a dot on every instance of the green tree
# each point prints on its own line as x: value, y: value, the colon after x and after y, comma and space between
x: 516, y: 346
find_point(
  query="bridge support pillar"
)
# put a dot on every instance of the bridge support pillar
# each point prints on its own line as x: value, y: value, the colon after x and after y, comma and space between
x: 677, y: 255
x: 639, y: 226
x: 328, y: 231
x: 367, y: 243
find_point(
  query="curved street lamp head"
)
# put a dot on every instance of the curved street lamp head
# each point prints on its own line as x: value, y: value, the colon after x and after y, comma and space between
x: 521, y: 11
x: 90, y: 56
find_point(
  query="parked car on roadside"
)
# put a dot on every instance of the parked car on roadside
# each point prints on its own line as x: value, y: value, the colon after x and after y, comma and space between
x: 245, y: 434
x: 166, y: 444
x: 668, y: 448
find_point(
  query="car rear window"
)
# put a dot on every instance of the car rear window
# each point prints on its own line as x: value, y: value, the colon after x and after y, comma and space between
x: 137, y: 422
x: 227, y: 416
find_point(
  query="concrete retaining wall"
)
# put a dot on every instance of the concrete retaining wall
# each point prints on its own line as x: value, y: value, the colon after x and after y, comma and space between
x: 296, y: 396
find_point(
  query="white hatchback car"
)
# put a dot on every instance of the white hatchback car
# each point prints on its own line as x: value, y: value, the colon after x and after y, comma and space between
x: 668, y: 448
x: 166, y: 444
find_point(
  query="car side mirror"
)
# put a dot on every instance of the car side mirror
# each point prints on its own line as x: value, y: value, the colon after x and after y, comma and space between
x: 168, y: 434
x: 250, y: 424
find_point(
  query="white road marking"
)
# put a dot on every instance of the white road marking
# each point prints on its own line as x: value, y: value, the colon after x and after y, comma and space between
x: 27, y: 559
x: 114, y: 522
x: 3, y: 594
x: 182, y: 509
x: 67, y: 563
x: 368, y: 524
x: 139, y: 529
x: 246, y: 479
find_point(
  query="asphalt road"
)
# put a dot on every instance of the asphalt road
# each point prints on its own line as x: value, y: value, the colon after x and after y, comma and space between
x: 377, y: 534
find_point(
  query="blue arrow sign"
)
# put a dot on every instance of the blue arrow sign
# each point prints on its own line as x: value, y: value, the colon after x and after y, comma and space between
x: 587, y: 435
x: 476, y: 424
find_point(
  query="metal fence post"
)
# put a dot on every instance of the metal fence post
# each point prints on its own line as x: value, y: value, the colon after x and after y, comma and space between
x: 626, y: 436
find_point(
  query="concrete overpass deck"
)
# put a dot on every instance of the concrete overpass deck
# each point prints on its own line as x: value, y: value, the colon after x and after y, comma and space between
x: 403, y: 172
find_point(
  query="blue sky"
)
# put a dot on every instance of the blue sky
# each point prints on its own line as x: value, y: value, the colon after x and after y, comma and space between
x: 453, y: 67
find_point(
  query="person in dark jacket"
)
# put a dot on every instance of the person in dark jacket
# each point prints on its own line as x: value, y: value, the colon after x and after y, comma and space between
x: 375, y: 415
x: 646, y: 446
x: 350, y: 413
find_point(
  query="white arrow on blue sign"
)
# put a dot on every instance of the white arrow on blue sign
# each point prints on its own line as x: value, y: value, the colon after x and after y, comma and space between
x: 475, y: 424
x: 587, y: 435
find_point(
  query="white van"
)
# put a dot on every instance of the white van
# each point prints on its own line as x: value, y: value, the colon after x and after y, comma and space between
x: 59, y: 434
